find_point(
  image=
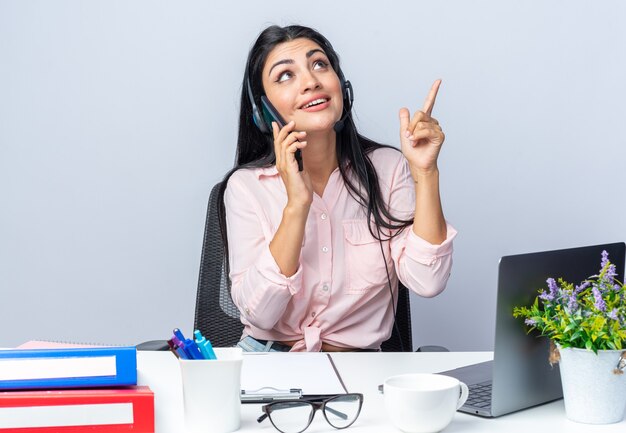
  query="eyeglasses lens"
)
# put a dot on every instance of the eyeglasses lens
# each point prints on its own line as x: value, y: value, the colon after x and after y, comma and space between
x: 342, y: 410
x: 291, y: 417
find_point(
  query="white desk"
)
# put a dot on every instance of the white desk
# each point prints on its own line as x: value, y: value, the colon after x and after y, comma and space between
x: 363, y: 372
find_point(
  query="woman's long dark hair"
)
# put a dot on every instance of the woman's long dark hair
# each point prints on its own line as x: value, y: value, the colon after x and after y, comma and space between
x: 256, y: 149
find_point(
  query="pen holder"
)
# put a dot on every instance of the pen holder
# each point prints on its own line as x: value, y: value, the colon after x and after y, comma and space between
x: 212, y: 392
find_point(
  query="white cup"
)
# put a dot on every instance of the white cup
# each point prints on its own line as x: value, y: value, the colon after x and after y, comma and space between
x: 423, y: 403
x: 212, y: 392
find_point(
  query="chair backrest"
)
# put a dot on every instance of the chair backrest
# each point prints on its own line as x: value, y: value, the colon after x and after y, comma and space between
x: 402, y: 341
x: 217, y: 317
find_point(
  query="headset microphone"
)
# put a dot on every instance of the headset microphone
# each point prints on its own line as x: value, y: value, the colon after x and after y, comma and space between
x: 338, y: 127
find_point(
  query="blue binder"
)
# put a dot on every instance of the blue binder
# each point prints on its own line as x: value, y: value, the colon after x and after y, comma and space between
x: 68, y: 368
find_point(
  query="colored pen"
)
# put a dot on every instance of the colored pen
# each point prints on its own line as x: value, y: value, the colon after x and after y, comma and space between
x: 191, y: 349
x: 178, y: 334
x: 204, y: 345
x: 176, y: 350
x: 181, y: 347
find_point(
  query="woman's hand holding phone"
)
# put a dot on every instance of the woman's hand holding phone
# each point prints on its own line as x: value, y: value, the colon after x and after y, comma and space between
x: 297, y: 183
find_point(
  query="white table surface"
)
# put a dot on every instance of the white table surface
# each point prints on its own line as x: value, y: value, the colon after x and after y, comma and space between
x: 363, y: 372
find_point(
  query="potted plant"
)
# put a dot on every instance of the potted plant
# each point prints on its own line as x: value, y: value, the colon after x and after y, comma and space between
x: 586, y: 324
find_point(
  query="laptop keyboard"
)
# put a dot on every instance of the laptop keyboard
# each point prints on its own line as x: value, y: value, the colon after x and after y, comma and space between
x: 479, y: 395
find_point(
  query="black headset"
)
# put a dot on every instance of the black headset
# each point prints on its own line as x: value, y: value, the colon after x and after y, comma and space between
x: 264, y: 123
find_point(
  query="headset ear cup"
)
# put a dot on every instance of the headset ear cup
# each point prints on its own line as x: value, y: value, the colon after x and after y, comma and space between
x: 258, y: 120
x: 346, y: 90
x: 348, y: 94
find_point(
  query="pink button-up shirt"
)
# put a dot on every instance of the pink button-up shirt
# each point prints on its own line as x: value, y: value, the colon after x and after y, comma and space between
x: 339, y: 294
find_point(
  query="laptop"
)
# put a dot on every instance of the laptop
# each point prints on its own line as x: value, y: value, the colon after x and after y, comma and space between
x: 520, y: 376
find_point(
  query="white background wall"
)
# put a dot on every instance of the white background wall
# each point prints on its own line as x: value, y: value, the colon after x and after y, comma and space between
x: 117, y: 117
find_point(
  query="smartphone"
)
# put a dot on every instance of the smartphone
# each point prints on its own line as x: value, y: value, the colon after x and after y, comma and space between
x: 270, y: 114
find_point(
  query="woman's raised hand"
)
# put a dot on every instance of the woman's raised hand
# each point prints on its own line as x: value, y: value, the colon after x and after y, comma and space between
x: 421, y: 137
x: 297, y: 183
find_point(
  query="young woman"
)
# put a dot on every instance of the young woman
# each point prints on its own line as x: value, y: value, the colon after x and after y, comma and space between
x: 315, y: 255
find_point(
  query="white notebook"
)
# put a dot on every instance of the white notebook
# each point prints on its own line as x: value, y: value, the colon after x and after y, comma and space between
x: 313, y: 373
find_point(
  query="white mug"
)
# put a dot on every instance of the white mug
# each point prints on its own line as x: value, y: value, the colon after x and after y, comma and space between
x: 423, y: 403
x: 212, y: 392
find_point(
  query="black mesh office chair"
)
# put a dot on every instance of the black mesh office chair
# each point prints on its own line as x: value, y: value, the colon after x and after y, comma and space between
x: 217, y: 317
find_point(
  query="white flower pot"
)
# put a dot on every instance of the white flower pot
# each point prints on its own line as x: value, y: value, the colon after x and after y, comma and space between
x: 593, y: 392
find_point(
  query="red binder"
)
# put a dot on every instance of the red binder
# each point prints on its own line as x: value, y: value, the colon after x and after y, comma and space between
x: 103, y: 410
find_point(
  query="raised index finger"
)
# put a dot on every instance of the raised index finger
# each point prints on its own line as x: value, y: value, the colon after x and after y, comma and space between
x: 430, y: 99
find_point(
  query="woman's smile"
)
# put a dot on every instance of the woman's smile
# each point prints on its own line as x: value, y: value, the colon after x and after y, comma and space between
x: 316, y: 104
x: 300, y: 82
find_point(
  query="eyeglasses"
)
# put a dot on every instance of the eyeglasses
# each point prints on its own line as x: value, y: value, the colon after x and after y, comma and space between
x: 295, y: 416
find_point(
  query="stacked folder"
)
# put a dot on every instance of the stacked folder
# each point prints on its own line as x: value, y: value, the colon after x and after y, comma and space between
x: 73, y: 390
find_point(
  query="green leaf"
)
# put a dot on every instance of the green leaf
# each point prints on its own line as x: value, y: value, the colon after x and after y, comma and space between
x: 570, y: 327
x: 575, y: 335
